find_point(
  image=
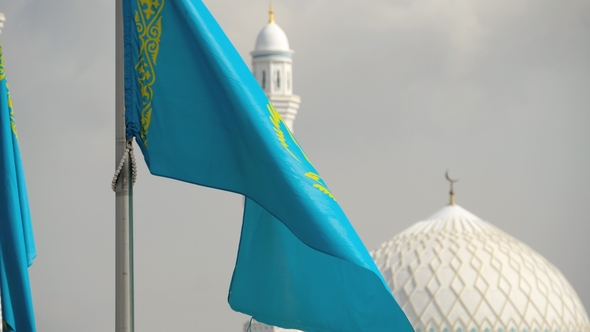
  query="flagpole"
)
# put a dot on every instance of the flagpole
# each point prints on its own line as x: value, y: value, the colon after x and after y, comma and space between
x: 124, y: 316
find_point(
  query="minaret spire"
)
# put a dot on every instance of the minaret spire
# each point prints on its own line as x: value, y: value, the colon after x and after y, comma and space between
x: 452, y: 193
x: 271, y: 14
x: 272, y: 66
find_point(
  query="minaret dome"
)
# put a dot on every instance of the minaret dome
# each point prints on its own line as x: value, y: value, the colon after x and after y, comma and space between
x: 272, y: 38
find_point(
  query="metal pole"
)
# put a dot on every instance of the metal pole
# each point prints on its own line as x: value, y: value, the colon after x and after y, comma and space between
x: 124, y: 320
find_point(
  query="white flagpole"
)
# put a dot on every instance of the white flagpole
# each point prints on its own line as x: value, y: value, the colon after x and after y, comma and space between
x: 124, y: 318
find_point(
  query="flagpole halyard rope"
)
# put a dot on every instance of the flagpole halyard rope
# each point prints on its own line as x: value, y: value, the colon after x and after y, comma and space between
x: 128, y: 153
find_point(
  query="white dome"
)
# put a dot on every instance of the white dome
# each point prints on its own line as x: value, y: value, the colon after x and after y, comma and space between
x: 272, y: 38
x: 457, y: 273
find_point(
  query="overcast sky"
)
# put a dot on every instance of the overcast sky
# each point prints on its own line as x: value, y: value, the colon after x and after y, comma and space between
x: 394, y: 93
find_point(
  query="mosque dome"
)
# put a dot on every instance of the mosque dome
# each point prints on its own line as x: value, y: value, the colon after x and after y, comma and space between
x: 456, y: 273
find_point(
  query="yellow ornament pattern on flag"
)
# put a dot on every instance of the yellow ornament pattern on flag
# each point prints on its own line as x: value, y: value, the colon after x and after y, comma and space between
x: 320, y: 185
x: 277, y: 121
x: 11, y: 110
x: 2, y: 77
x: 148, y: 21
x: 2, y: 72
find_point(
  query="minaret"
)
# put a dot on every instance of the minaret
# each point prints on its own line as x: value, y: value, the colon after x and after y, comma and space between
x: 272, y: 65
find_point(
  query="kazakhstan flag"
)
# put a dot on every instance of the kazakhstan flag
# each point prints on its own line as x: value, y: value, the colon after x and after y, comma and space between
x: 199, y: 116
x: 17, y: 248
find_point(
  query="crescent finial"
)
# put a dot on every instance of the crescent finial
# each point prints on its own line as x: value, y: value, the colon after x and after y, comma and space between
x: 452, y: 193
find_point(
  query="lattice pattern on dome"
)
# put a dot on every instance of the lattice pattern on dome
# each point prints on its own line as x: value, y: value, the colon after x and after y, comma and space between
x: 457, y: 273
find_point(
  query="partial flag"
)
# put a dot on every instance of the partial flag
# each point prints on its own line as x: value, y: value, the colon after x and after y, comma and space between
x: 199, y: 116
x: 17, y: 248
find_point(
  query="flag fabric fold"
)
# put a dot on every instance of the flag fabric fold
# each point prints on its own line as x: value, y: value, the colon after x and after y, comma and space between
x: 199, y: 116
x: 17, y: 248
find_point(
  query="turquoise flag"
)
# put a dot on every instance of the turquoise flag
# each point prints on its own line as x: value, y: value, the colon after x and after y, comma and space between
x: 17, y: 248
x: 199, y: 116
